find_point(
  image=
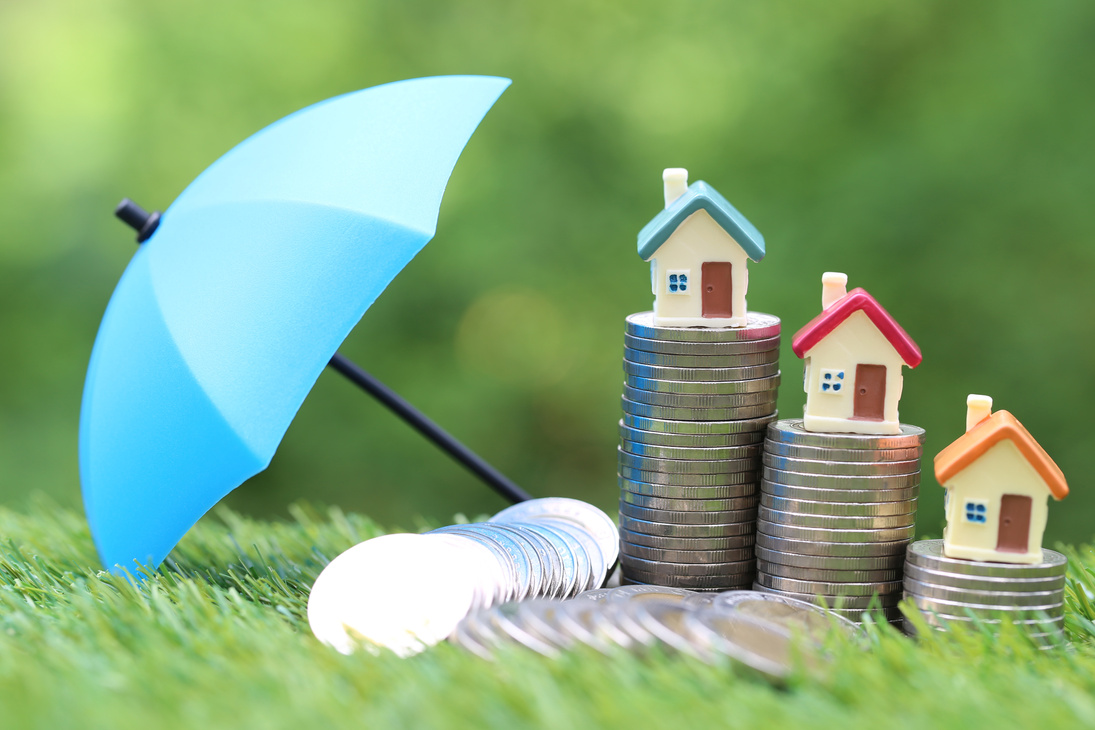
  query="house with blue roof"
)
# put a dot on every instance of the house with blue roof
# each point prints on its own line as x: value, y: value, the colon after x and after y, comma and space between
x: 698, y: 247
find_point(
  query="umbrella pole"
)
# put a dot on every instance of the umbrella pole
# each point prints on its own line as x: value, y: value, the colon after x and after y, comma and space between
x: 428, y: 428
x: 145, y: 224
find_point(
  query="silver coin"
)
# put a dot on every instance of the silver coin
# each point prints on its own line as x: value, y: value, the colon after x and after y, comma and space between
x: 689, y: 505
x: 675, y: 491
x: 563, y: 576
x: 647, y: 594
x: 835, y: 522
x: 578, y: 620
x: 685, y: 466
x: 550, y: 549
x: 827, y: 588
x: 837, y: 509
x: 660, y: 359
x: 788, y: 532
x: 929, y: 554
x: 466, y: 639
x: 986, y: 598
x: 849, y: 496
x: 790, y: 613
x: 503, y: 575
x: 817, y: 562
x: 704, y: 592
x: 479, y: 629
x: 507, y: 620
x: 732, y: 542
x: 758, y: 326
x: 833, y: 576
x: 537, y: 569
x: 515, y: 561
x: 751, y: 452
x: 842, y: 468
x: 818, y: 481
x: 665, y: 529
x: 959, y: 608
x: 1038, y: 624
x: 866, y: 456
x: 701, y: 348
x: 761, y: 388
x: 589, y: 564
x: 811, y: 546
x: 958, y: 580
x: 643, y: 410
x: 680, y: 517
x: 748, y: 426
x: 632, y: 565
x: 713, y: 374
x: 590, y: 519
x: 665, y: 622
x: 761, y: 646
x: 751, y: 440
x: 839, y: 604
x: 791, y: 431
x: 541, y: 619
x: 597, y: 595
x: 688, y: 480
x: 678, y: 580
x: 685, y: 556
x: 664, y: 399
x: 887, y: 614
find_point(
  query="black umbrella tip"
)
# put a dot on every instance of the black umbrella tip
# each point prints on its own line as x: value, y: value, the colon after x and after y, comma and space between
x: 138, y: 218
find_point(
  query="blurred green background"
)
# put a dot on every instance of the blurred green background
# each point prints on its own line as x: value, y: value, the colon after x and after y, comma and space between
x: 940, y: 153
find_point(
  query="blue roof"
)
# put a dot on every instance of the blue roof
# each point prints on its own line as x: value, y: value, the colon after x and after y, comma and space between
x: 700, y: 195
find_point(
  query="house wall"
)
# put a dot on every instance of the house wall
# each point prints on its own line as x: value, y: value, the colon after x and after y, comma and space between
x: 1001, y: 470
x: 697, y: 240
x: 855, y: 341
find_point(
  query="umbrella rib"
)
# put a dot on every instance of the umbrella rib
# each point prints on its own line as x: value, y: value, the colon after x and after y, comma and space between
x: 421, y: 423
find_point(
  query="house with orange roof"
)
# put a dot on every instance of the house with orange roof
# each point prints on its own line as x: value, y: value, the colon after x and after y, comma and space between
x: 853, y: 352
x: 998, y: 481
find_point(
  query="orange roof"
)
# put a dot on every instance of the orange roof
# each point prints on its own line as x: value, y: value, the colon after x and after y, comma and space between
x: 973, y: 444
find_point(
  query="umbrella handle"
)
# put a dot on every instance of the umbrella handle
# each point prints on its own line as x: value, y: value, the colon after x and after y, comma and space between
x: 428, y: 428
x: 145, y: 224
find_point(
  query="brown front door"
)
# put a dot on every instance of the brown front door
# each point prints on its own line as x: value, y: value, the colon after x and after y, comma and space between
x: 870, y: 392
x: 1014, y: 531
x: 717, y: 289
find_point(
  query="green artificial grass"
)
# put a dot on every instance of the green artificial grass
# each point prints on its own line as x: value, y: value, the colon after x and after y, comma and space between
x: 218, y: 638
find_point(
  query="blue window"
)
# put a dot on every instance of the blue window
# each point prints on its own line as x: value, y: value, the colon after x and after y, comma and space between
x: 831, y: 381
x: 677, y: 282
x: 977, y: 512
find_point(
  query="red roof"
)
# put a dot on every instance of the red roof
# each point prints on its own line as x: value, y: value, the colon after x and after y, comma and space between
x: 857, y: 300
x: 972, y: 445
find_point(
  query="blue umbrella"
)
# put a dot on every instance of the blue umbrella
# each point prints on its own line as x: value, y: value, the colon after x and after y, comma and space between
x: 242, y: 293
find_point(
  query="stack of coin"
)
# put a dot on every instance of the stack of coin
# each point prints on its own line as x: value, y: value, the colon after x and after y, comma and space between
x: 837, y: 511
x: 405, y: 592
x: 696, y: 402
x: 953, y: 593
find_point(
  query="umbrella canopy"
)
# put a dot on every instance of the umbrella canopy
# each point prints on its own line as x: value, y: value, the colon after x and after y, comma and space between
x: 226, y: 316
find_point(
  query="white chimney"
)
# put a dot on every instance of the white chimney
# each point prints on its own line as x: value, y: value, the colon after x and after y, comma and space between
x: 978, y: 408
x: 676, y: 183
x: 834, y: 286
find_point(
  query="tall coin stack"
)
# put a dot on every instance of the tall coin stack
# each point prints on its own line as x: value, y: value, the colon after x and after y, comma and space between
x: 949, y: 591
x: 696, y: 404
x: 837, y: 511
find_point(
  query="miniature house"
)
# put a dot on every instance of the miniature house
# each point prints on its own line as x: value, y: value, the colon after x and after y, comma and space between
x: 998, y: 481
x: 698, y: 249
x: 854, y: 351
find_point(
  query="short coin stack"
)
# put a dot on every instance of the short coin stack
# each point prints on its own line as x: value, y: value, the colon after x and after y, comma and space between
x: 837, y: 511
x: 952, y: 593
x: 696, y: 402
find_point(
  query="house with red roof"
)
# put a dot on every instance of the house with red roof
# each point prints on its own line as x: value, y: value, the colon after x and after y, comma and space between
x: 699, y: 247
x: 998, y: 481
x: 853, y: 351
